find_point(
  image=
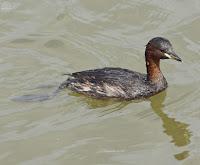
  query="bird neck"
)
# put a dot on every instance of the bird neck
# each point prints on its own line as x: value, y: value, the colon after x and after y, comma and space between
x: 154, y: 73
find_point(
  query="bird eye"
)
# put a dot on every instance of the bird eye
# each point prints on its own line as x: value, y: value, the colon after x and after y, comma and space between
x: 163, y: 51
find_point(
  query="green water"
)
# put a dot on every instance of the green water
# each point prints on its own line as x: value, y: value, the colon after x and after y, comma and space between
x: 41, y: 40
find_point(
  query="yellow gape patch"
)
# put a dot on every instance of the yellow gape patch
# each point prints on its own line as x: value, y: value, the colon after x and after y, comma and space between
x: 167, y: 55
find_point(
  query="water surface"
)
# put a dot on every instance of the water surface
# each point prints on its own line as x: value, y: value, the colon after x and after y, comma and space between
x: 41, y: 40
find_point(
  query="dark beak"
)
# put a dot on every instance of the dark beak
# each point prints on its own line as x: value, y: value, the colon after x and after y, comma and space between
x: 173, y: 56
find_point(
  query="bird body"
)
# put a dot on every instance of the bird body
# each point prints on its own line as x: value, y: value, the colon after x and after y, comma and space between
x: 123, y: 83
x: 114, y: 83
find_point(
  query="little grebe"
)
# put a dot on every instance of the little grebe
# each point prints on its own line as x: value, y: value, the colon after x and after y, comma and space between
x: 123, y: 83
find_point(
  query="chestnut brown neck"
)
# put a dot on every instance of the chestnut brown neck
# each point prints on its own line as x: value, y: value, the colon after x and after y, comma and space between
x: 154, y: 73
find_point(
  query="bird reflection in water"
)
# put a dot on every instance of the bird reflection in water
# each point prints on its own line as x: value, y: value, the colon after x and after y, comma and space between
x: 178, y: 131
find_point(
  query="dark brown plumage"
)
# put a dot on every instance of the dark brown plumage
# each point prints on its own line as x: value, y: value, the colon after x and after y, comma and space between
x: 123, y: 83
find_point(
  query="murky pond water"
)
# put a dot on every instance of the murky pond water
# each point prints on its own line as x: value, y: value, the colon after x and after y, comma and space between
x: 41, y: 40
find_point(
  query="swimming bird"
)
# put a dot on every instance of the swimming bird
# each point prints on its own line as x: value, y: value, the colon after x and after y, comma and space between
x: 125, y: 84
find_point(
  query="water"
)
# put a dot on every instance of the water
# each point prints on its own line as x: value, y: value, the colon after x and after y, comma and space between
x: 41, y: 40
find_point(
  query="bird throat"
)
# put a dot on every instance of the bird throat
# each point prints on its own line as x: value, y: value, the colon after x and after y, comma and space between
x: 154, y: 73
